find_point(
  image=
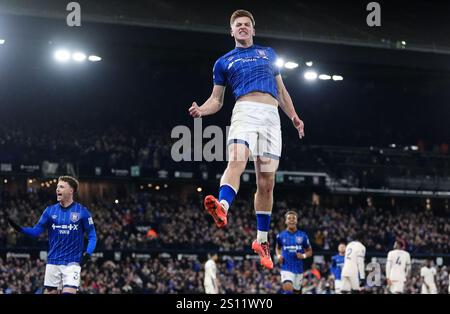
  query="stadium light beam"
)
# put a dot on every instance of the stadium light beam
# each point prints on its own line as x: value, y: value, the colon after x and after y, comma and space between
x: 94, y: 58
x: 337, y: 78
x: 279, y: 63
x: 324, y: 77
x: 309, y: 63
x: 78, y: 56
x: 2, y: 41
x: 290, y: 65
x: 310, y: 75
x: 62, y: 55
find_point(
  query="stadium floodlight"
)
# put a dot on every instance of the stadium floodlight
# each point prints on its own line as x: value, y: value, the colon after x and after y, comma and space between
x: 62, y: 55
x: 78, y: 56
x: 324, y: 77
x: 199, y: 189
x: 309, y: 63
x: 94, y: 58
x: 116, y: 201
x: 414, y: 147
x: 279, y: 63
x: 290, y: 65
x: 310, y: 75
x: 337, y: 78
x: 393, y: 146
x: 403, y: 43
x: 2, y: 41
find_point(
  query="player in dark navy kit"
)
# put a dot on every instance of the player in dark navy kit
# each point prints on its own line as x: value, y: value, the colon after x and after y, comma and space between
x: 292, y: 248
x: 66, y: 223
x: 337, y: 262
x: 258, y: 89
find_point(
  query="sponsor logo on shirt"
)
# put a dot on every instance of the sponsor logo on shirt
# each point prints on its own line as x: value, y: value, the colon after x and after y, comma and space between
x: 65, y: 229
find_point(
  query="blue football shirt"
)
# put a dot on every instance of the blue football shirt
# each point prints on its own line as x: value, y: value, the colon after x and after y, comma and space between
x: 248, y: 70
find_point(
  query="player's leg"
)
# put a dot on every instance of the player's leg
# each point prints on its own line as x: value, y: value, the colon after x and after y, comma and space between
x: 52, y: 279
x: 229, y: 183
x: 298, y: 283
x: 71, y: 278
x: 346, y: 285
x: 287, y: 282
x: 265, y: 181
x: 355, y: 286
x: 337, y: 286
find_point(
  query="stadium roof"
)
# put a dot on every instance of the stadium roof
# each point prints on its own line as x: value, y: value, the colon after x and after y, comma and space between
x: 419, y: 23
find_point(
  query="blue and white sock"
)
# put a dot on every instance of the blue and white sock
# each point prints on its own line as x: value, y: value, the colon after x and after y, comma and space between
x: 263, y: 225
x: 227, y: 193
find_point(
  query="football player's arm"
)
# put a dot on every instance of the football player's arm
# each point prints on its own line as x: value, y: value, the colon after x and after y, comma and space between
x: 212, y: 104
x: 278, y: 250
x: 39, y: 228
x: 408, y: 267
x: 286, y: 104
x: 88, y: 224
x: 308, y: 250
x: 388, y: 266
x: 361, y: 257
x: 333, y: 267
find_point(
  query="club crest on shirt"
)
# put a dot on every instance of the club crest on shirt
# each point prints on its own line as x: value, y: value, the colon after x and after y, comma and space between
x: 74, y: 217
x: 299, y: 239
x: 54, y: 216
x: 262, y: 53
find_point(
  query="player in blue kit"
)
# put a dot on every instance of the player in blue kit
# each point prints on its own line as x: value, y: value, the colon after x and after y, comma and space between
x: 292, y: 248
x: 66, y: 223
x: 258, y: 89
x: 337, y: 262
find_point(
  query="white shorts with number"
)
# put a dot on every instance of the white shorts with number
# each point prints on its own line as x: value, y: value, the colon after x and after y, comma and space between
x: 296, y: 279
x: 350, y: 283
x: 256, y: 125
x: 337, y: 286
x: 431, y: 290
x: 397, y: 287
x: 60, y: 276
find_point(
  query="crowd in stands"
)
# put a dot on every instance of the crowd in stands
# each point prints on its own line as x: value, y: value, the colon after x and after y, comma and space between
x: 170, y: 275
x: 179, y: 224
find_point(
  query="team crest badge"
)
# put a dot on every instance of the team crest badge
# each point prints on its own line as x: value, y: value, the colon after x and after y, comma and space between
x: 74, y: 217
x: 54, y: 216
x: 298, y: 239
x: 262, y: 53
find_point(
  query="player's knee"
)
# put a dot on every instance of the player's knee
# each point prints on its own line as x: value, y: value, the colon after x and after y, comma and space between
x: 237, y: 166
x: 266, y: 183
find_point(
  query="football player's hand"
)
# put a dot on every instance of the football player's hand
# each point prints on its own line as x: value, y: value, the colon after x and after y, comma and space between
x: 301, y: 255
x: 362, y: 283
x: 14, y: 224
x: 299, y: 125
x: 280, y: 259
x: 85, y: 258
x: 195, y: 111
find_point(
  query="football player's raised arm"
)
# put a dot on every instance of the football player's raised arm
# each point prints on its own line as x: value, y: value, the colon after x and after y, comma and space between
x: 39, y: 228
x: 212, y: 105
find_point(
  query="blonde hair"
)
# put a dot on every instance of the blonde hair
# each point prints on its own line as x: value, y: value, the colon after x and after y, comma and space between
x: 71, y: 181
x: 241, y: 13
